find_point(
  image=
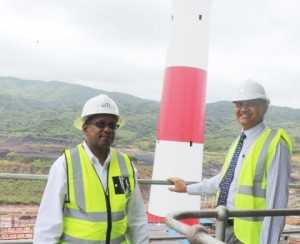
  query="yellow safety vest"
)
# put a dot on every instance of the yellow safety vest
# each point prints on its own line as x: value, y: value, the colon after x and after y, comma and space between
x: 252, y: 182
x: 91, y: 214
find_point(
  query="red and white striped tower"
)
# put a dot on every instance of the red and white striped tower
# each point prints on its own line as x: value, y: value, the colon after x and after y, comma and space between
x: 180, y: 130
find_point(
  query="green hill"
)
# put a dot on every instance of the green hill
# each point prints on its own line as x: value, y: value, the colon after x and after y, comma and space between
x: 44, y: 111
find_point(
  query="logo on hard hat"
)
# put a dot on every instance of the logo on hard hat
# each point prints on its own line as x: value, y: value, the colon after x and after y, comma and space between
x: 105, y: 105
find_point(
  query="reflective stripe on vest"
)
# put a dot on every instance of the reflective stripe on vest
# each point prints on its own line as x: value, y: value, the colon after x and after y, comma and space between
x: 78, y: 214
x: 256, y: 189
x: 82, y: 208
x: 70, y: 239
x: 77, y: 173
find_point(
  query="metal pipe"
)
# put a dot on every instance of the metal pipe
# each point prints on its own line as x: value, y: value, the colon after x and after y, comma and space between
x: 221, y: 222
x: 23, y: 176
x: 16, y: 242
x: 295, y: 231
x: 264, y: 212
x: 155, y: 238
x: 238, y: 213
x: 294, y: 186
x: 220, y: 230
x: 44, y: 177
x: 141, y: 181
x: 167, y: 238
x: 198, y: 235
x: 161, y: 182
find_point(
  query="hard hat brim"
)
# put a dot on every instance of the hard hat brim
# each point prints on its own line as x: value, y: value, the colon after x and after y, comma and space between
x: 249, y: 99
x: 78, y: 123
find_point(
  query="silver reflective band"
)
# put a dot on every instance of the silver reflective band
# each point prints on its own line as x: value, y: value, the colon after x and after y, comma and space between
x: 77, y: 172
x: 256, y: 189
x: 74, y: 240
x: 259, y: 171
x: 100, y: 216
x: 253, y: 190
x: 122, y: 164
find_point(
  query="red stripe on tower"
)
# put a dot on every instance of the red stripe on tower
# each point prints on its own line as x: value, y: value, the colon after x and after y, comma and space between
x: 182, y: 109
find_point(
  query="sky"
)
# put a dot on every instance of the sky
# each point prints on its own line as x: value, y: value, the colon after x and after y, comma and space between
x: 121, y: 45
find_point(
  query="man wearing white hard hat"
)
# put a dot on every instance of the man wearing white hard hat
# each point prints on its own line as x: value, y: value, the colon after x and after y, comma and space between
x: 255, y: 172
x: 92, y: 195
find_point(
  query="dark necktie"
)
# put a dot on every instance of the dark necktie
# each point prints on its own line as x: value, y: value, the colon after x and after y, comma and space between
x: 228, y: 177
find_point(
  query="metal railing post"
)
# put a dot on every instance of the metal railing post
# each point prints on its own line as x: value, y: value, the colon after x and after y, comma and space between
x: 221, y: 221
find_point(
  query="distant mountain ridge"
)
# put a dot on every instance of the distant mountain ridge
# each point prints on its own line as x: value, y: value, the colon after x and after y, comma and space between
x: 47, y: 109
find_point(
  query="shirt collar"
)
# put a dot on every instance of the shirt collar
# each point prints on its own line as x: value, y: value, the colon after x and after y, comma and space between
x: 93, y: 158
x: 255, y: 130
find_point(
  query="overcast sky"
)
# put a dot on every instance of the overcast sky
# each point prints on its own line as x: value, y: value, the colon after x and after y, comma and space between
x: 120, y: 45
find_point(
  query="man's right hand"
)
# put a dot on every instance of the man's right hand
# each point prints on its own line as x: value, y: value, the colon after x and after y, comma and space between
x: 179, y: 184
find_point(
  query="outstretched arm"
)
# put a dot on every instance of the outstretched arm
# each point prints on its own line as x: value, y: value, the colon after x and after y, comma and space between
x: 208, y: 186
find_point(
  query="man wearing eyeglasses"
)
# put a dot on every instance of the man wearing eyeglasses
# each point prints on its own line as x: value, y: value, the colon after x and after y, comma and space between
x: 255, y: 172
x: 92, y: 195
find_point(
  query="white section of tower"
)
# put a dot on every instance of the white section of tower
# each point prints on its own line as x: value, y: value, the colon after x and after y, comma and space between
x: 175, y: 159
x: 189, y: 38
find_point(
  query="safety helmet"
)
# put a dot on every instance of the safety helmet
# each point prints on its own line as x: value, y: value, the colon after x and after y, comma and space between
x: 101, y: 104
x: 250, y: 90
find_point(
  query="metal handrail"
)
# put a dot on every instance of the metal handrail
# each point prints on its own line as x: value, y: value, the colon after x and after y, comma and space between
x: 157, y: 238
x: 221, y: 214
x: 162, y: 182
x: 294, y: 186
x: 16, y: 242
x: 45, y: 177
x: 141, y: 181
x: 23, y: 176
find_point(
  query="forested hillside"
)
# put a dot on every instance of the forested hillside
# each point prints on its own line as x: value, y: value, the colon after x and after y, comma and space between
x: 44, y: 112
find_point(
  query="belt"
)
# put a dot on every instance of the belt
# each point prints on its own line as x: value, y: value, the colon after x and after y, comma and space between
x: 230, y: 222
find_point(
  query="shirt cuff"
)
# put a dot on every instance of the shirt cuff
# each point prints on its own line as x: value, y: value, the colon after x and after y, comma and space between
x: 194, y: 189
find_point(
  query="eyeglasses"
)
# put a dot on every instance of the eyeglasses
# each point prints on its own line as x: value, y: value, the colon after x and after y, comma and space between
x: 102, y: 124
x: 249, y: 103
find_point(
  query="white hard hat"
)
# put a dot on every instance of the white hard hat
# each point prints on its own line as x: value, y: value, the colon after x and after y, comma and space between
x: 250, y: 90
x: 101, y: 104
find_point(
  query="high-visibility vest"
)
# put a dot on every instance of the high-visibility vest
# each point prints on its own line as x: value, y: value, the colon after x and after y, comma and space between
x: 91, y: 214
x: 252, y: 182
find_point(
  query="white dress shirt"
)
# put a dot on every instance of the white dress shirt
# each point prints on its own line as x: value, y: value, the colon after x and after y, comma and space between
x: 49, y: 224
x: 277, y: 190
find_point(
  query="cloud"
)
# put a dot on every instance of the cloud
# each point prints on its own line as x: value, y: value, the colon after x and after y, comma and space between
x: 259, y: 40
x: 121, y: 45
